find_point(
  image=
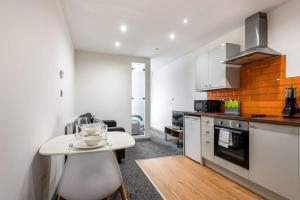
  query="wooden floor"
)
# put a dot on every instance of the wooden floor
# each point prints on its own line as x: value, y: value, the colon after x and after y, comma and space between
x: 178, y: 177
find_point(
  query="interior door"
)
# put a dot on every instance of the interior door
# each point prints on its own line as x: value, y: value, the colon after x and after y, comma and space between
x: 138, y: 100
x: 192, y: 138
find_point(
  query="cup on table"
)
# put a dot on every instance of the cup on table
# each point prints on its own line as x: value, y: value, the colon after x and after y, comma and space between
x: 81, y: 122
x: 101, y: 129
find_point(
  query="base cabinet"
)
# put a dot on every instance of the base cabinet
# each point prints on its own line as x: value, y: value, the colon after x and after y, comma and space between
x: 207, y: 140
x: 208, y: 143
x: 274, y: 154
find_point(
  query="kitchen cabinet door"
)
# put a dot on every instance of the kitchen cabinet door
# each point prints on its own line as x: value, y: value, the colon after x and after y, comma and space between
x: 192, y: 138
x: 207, y: 140
x: 201, y: 72
x: 273, y: 158
x: 217, y: 70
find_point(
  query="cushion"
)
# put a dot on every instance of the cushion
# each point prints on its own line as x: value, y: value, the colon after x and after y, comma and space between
x: 89, y: 117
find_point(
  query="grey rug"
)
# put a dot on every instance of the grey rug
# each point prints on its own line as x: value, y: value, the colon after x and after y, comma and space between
x: 137, y: 185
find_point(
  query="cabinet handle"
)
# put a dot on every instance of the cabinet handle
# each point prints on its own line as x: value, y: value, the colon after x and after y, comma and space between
x: 252, y: 126
x: 207, y: 132
x: 207, y: 142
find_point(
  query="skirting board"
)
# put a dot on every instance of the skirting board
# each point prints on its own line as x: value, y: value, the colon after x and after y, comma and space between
x: 244, y: 182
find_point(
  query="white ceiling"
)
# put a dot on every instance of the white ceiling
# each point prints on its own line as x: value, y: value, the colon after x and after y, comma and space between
x: 94, y: 24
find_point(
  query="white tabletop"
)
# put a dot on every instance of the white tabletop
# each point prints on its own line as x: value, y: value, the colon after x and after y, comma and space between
x: 59, y: 145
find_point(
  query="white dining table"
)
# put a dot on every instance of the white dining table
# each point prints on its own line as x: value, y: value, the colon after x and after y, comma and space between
x: 64, y: 144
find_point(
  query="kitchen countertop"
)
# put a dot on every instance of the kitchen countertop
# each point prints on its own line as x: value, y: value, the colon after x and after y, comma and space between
x: 268, y: 119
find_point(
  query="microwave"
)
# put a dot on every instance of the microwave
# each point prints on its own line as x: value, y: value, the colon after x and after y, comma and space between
x: 207, y: 106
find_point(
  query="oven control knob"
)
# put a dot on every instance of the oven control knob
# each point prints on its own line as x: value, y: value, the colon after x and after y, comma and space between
x: 238, y: 126
x: 220, y: 122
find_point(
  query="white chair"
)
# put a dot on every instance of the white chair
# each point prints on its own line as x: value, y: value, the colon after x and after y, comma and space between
x: 91, y: 176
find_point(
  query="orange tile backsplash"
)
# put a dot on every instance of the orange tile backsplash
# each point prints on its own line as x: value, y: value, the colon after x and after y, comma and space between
x: 262, y: 86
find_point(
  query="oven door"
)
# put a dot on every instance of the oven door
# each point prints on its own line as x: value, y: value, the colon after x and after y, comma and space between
x: 238, y: 149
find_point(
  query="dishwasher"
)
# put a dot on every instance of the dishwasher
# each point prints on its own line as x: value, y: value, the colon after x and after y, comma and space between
x: 192, y: 138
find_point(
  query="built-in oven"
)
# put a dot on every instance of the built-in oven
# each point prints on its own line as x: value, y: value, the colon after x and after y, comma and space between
x: 232, y: 141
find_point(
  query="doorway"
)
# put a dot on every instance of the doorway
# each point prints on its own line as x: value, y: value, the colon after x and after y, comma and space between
x: 138, y: 99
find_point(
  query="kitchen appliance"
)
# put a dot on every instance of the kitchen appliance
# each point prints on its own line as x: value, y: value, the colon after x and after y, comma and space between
x: 291, y: 107
x: 237, y: 148
x: 232, y: 107
x: 207, y: 105
x: 177, y: 119
x: 192, y: 138
x: 256, y: 41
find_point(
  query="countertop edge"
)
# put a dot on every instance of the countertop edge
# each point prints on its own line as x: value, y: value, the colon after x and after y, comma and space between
x: 295, y: 122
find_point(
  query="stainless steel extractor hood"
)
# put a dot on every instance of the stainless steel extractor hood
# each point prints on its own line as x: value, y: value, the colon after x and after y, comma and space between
x: 256, y: 42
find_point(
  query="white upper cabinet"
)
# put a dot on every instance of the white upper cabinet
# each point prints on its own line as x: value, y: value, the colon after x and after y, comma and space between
x: 273, y: 158
x: 201, y: 72
x: 212, y: 74
x: 217, y: 70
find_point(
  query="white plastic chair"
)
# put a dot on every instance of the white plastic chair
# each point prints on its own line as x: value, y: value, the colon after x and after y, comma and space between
x: 91, y: 176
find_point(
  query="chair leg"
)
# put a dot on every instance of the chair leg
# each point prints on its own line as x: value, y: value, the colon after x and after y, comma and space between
x: 122, y: 192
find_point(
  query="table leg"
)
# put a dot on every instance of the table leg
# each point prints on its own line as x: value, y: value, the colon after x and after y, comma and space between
x: 122, y: 192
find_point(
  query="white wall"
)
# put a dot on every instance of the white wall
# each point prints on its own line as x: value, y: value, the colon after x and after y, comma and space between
x: 172, y: 85
x: 284, y: 34
x: 34, y: 46
x: 103, y: 86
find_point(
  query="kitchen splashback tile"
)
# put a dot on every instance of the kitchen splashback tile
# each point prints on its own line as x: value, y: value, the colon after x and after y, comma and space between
x: 262, y: 87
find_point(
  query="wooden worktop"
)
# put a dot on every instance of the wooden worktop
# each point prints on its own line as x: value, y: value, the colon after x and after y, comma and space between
x: 268, y: 119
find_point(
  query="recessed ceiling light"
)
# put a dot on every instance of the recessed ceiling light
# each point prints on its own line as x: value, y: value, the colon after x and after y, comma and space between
x: 172, y: 36
x: 123, y: 28
x: 185, y: 21
x: 117, y: 44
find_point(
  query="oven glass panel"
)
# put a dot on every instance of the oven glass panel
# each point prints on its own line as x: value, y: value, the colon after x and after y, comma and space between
x: 237, y: 151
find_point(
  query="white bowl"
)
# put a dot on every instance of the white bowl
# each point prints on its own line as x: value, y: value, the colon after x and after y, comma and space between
x: 91, y: 130
x: 92, y: 140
